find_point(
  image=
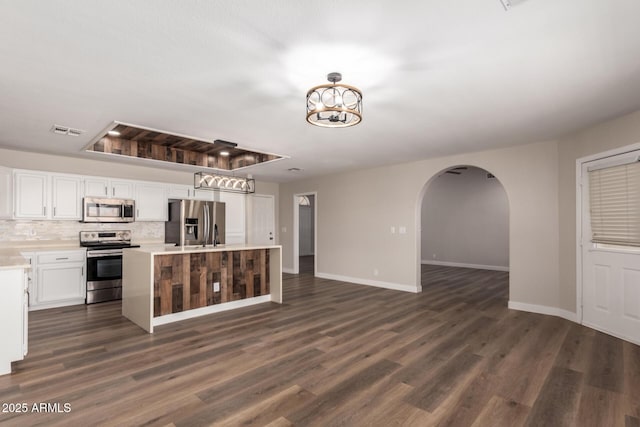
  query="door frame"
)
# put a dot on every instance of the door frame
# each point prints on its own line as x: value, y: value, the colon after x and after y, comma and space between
x: 296, y: 231
x: 580, y: 216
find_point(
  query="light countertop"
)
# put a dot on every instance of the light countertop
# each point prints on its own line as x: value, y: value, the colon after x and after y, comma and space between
x: 11, y: 251
x: 11, y: 259
x: 169, y: 249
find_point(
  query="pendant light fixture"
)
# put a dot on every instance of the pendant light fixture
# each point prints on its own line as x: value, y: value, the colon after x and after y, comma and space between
x: 334, y: 105
x: 233, y: 184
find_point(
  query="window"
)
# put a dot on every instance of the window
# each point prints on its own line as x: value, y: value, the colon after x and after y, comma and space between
x: 614, y: 199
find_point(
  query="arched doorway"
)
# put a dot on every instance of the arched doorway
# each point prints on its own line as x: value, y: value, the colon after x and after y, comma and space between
x: 464, y: 231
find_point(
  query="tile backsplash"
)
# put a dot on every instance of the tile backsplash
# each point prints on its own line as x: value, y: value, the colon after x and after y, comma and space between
x: 40, y: 231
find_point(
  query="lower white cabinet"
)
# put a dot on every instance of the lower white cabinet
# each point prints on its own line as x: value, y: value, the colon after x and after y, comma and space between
x: 13, y: 318
x: 59, y: 279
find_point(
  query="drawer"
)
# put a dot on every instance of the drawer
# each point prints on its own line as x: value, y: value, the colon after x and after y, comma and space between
x: 63, y: 256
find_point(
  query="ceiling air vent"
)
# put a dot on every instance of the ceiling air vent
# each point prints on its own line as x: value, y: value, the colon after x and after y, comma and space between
x: 64, y: 130
x: 508, y: 4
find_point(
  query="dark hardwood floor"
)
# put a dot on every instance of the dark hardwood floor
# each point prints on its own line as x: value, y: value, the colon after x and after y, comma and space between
x: 335, y: 354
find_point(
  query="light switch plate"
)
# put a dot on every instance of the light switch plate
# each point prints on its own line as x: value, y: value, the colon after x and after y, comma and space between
x: 216, y: 286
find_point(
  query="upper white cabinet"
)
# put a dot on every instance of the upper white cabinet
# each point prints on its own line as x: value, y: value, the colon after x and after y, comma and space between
x: 39, y: 195
x: 105, y: 187
x: 121, y: 189
x: 6, y: 192
x: 66, y: 197
x: 234, y: 217
x: 31, y: 195
x: 188, y: 192
x: 151, y: 202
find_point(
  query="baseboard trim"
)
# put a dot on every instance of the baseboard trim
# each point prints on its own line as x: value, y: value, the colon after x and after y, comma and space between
x: 367, y: 282
x: 543, y: 309
x: 197, y: 312
x: 465, y: 265
x: 613, y: 334
x: 288, y: 270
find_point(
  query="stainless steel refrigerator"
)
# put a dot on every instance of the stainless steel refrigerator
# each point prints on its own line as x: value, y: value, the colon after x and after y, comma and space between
x: 195, y: 222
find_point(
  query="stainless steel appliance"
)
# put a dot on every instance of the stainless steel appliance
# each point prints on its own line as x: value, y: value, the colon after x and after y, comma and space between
x: 195, y: 222
x: 104, y: 263
x: 97, y: 209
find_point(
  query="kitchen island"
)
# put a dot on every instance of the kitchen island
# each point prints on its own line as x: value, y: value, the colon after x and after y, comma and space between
x: 13, y: 308
x: 163, y: 283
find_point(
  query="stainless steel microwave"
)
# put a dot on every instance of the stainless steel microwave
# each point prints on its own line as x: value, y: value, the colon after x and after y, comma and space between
x: 96, y: 209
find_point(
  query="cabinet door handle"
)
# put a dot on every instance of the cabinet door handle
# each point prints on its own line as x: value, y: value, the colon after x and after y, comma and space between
x: 54, y: 211
x: 113, y: 191
x: 60, y: 259
x: 44, y: 211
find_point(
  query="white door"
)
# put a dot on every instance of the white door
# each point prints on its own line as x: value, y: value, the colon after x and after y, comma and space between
x: 263, y: 220
x: 610, y: 278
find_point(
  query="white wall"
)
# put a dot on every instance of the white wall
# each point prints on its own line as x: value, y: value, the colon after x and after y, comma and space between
x: 465, y: 220
x: 358, y: 208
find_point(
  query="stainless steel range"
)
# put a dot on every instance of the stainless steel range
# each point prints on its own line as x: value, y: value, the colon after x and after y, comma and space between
x: 104, y: 263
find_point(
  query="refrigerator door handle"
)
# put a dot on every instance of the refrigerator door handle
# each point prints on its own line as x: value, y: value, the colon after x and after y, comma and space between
x: 206, y: 224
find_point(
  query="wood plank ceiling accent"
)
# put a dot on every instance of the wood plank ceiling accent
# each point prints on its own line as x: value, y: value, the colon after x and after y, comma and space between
x: 156, y: 145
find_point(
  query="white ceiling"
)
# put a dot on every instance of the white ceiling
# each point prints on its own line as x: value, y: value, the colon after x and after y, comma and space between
x: 438, y: 77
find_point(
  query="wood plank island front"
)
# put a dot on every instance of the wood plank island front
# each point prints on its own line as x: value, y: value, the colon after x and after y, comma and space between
x: 163, y: 284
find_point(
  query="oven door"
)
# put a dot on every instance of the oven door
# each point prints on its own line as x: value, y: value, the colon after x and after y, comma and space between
x: 104, y: 269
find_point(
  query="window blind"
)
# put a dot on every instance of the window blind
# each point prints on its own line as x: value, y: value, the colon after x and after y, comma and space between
x: 614, y: 198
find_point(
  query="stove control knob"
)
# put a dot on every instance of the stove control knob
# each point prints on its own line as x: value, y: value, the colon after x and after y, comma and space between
x: 126, y: 235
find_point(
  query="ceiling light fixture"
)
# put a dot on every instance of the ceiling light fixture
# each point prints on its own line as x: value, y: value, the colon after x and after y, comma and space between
x: 334, y: 105
x: 114, y: 133
x: 224, y: 153
x: 213, y: 181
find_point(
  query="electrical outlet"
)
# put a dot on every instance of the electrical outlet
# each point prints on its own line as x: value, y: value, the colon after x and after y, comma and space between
x: 216, y: 286
x: 402, y: 230
x: 375, y: 271
x: 393, y: 230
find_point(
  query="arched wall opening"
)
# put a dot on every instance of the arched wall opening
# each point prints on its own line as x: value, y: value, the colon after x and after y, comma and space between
x: 464, y: 221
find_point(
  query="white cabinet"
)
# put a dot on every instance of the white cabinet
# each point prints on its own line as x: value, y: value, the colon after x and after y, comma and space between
x: 66, y: 197
x: 121, y: 189
x: 151, y: 202
x: 234, y: 217
x: 6, y: 192
x: 39, y: 195
x: 59, y: 279
x: 31, y: 196
x: 13, y: 319
x: 188, y: 192
x: 105, y: 187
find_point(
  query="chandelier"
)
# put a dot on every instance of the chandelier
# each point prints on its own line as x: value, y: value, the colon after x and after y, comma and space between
x: 234, y: 184
x: 334, y: 105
